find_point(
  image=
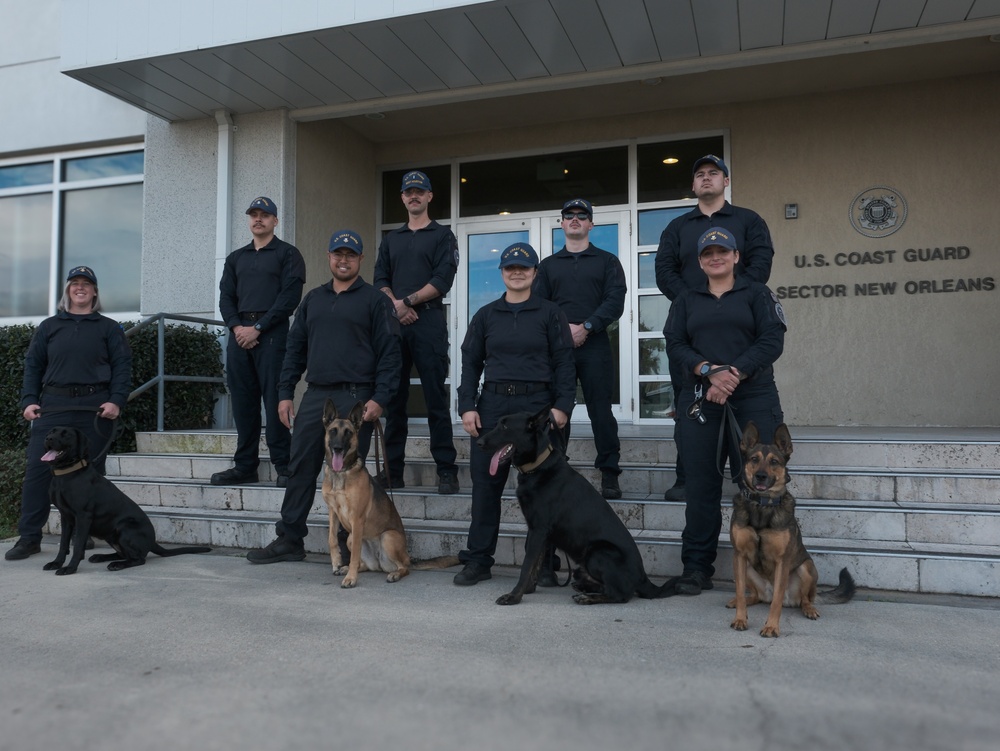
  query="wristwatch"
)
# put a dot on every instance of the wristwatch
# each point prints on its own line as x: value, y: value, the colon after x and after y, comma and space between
x: 588, y: 326
x: 407, y: 302
x: 257, y: 326
x: 703, y: 370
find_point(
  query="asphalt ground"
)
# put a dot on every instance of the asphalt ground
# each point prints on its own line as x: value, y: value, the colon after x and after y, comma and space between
x: 212, y: 652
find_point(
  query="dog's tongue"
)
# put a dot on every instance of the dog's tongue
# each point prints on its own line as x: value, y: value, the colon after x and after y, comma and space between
x: 495, y: 461
x: 50, y: 456
x: 336, y: 461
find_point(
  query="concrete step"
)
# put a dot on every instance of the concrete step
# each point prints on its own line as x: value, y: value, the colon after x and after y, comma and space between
x: 830, y: 447
x: 946, y: 569
x: 976, y: 526
x: 924, y: 485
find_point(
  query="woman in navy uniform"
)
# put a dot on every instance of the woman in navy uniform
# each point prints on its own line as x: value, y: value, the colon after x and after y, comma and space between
x: 725, y: 335
x: 77, y: 359
x: 523, y: 344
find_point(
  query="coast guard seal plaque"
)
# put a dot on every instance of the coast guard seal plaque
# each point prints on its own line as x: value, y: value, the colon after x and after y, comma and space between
x: 878, y: 212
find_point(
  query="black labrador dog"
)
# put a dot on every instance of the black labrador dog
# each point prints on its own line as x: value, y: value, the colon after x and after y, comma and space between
x: 561, y: 507
x: 89, y: 504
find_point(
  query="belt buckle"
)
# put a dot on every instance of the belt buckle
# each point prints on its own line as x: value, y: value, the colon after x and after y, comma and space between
x: 510, y: 389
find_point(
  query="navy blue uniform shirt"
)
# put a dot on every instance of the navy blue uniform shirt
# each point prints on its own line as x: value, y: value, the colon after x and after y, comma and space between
x: 350, y: 337
x: 588, y: 285
x: 77, y: 350
x: 677, y: 266
x: 744, y: 328
x: 269, y: 279
x: 529, y: 345
x: 408, y: 260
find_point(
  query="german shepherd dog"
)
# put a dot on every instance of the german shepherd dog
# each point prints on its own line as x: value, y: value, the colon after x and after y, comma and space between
x: 376, y: 538
x: 89, y: 504
x: 561, y: 507
x: 769, y: 557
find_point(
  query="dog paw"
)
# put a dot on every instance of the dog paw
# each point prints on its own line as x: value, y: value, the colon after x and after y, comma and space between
x: 340, y: 571
x: 117, y: 566
x: 52, y: 565
x: 740, y: 624
x: 732, y: 604
x: 508, y: 599
x: 395, y: 576
x: 770, y: 632
x: 810, y: 612
x: 348, y: 583
x: 65, y: 570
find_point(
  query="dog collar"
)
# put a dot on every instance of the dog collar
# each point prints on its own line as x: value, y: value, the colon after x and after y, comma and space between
x: 760, y: 500
x: 527, y: 469
x: 71, y: 468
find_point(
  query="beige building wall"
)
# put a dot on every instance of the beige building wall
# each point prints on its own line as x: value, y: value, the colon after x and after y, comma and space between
x: 337, y: 186
x: 908, y: 358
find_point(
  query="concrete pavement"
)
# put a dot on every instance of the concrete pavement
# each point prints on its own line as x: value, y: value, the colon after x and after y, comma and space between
x: 211, y: 652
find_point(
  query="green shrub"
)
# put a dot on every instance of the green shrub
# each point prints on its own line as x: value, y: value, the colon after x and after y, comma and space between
x: 188, y: 351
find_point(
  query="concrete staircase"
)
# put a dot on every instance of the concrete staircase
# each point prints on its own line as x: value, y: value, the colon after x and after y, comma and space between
x: 914, y: 510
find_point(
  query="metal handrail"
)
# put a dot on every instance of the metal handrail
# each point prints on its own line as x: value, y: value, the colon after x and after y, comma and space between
x: 161, y: 379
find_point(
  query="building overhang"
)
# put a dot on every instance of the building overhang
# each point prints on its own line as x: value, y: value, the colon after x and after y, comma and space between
x: 478, y: 65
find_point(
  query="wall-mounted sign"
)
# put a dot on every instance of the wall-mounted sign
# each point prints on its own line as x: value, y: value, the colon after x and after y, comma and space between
x: 878, y: 212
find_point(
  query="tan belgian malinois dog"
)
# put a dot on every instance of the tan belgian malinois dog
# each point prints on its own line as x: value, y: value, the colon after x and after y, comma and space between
x: 357, y: 503
x: 769, y: 557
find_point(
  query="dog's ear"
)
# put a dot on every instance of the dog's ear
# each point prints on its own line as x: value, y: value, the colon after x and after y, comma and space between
x: 540, y: 420
x: 751, y: 437
x: 329, y: 412
x: 783, y: 440
x: 357, y: 415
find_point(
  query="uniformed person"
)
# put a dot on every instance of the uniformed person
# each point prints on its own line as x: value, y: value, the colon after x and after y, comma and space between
x: 346, y: 339
x: 77, y: 373
x: 261, y: 285
x: 588, y: 283
x: 415, y: 268
x: 725, y: 334
x: 522, y: 344
x: 677, y: 267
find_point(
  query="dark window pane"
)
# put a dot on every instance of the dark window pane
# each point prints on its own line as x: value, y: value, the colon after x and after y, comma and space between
x: 656, y: 399
x: 108, y: 165
x: 25, y: 255
x: 671, y: 182
x: 653, y: 311
x: 393, y: 211
x: 23, y: 175
x: 544, y: 182
x: 102, y: 228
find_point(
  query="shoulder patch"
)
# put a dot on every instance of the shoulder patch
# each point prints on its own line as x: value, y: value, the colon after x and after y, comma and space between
x: 780, y: 312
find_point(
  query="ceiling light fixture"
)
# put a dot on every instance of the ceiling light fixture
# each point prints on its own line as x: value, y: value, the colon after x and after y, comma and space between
x: 671, y: 160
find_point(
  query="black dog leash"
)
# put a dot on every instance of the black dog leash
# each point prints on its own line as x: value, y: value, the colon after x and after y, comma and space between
x: 380, y: 463
x: 116, y: 428
x: 735, y: 436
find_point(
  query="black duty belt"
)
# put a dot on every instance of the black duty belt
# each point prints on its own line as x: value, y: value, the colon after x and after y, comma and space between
x: 76, y: 390
x: 346, y: 386
x: 253, y: 316
x: 515, y: 389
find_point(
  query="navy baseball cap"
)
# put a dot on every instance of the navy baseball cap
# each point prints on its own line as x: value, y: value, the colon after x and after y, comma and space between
x: 85, y: 271
x: 581, y: 205
x: 519, y: 254
x: 415, y: 179
x: 264, y: 204
x: 713, y: 159
x: 345, y: 238
x: 717, y: 236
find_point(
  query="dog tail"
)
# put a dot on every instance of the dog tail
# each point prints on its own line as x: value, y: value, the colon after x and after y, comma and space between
x: 442, y: 561
x: 177, y: 551
x: 649, y: 591
x: 843, y: 592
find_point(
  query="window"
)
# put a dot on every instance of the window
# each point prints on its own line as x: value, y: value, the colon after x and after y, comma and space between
x: 71, y: 209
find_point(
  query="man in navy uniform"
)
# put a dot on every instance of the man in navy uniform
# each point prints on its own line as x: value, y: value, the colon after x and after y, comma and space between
x: 415, y: 268
x: 260, y: 287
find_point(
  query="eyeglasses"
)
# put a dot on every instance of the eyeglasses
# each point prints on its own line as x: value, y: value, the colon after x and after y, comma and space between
x: 568, y: 215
